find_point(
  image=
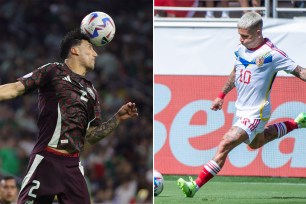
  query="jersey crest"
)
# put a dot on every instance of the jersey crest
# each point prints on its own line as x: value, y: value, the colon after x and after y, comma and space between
x: 260, y: 61
x: 263, y: 59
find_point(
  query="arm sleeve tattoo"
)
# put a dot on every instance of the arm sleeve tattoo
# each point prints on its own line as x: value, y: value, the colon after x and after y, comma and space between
x: 300, y: 73
x: 95, y: 134
x: 230, y: 84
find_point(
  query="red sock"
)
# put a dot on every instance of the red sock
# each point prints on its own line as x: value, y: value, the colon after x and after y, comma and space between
x: 285, y: 127
x: 209, y: 170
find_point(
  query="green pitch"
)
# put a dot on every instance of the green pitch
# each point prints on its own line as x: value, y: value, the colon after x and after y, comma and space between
x: 237, y: 190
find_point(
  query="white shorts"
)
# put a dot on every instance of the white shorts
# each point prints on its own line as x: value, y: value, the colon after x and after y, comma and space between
x: 252, y: 126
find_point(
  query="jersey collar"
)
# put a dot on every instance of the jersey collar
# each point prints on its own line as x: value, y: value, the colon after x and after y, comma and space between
x: 71, y: 72
x: 259, y: 46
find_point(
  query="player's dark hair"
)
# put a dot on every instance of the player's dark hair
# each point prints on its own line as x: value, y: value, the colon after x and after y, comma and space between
x: 71, y: 39
x: 5, y: 178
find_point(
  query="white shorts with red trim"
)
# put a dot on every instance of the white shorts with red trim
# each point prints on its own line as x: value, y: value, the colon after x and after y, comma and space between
x: 252, y: 126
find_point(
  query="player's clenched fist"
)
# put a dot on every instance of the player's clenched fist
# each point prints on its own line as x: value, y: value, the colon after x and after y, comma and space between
x: 126, y: 111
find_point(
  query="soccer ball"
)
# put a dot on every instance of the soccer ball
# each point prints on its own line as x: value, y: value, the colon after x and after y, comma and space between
x: 100, y: 28
x: 158, y: 183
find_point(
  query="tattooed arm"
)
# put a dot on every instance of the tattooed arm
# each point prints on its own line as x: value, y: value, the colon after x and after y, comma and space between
x: 229, y: 85
x: 300, y: 73
x: 95, y: 134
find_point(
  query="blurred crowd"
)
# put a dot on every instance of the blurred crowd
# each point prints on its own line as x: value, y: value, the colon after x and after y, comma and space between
x: 119, y: 168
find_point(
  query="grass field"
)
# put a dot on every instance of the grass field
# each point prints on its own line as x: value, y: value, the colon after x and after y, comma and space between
x: 238, y: 190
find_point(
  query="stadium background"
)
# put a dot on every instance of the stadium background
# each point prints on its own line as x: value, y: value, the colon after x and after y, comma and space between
x: 121, y: 165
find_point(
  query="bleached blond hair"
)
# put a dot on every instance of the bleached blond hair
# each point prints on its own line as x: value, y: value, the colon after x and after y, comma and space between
x: 250, y: 21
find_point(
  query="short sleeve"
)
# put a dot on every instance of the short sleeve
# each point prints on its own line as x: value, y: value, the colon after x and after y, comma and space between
x: 283, y: 62
x: 38, y: 78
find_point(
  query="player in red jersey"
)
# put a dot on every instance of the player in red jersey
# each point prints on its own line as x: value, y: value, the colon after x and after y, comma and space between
x: 69, y: 116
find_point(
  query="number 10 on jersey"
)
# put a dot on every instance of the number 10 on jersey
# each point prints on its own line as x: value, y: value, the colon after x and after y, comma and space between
x: 245, y: 76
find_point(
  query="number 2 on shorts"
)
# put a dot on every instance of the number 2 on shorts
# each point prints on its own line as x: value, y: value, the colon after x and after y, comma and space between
x: 36, y: 186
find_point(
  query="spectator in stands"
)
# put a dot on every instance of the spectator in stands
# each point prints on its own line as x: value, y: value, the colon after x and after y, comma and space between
x: 246, y: 3
x: 176, y: 3
x: 8, y: 190
x: 9, y: 158
x: 298, y: 4
x: 212, y: 3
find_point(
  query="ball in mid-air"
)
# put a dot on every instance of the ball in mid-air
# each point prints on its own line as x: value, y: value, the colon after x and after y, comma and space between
x: 99, y: 26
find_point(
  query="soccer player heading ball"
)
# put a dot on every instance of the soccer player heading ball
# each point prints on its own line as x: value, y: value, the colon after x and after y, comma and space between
x: 69, y: 116
x: 257, y: 62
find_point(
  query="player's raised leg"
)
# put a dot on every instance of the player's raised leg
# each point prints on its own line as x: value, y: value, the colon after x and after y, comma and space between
x: 230, y: 140
x: 278, y: 130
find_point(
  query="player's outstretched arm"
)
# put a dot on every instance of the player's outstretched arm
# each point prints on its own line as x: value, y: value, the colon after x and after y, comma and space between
x: 95, y: 134
x: 11, y: 90
x: 229, y: 85
x: 300, y: 73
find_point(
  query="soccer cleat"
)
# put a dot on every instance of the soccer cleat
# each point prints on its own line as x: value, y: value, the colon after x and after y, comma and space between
x: 301, y: 120
x: 188, y: 187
